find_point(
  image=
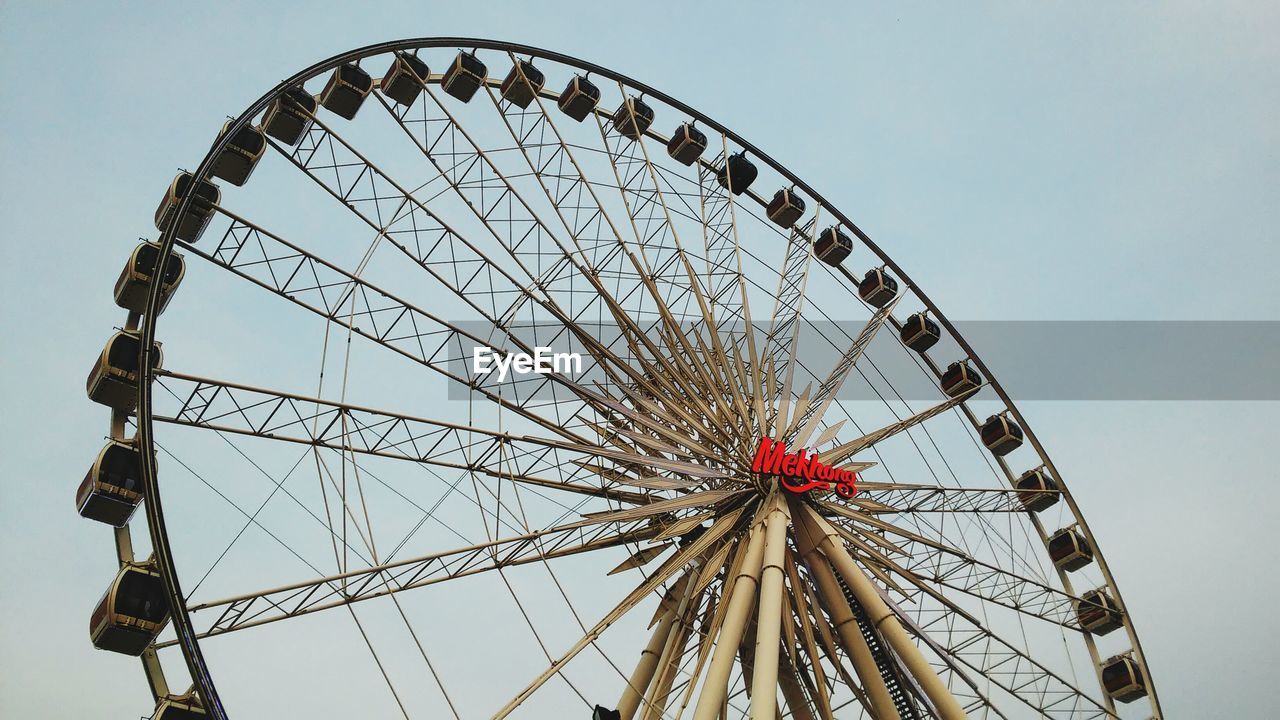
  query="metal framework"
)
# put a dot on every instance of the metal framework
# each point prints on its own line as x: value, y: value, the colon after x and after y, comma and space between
x: 909, y: 599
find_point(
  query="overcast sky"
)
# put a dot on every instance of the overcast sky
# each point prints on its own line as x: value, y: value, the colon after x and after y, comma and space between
x: 1104, y: 161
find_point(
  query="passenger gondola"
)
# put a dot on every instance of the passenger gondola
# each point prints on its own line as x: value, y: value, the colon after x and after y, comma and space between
x: 346, y: 90
x: 523, y: 84
x: 960, y: 378
x: 132, y: 612
x: 579, y: 98
x: 1001, y: 435
x: 192, y: 224
x: 241, y: 155
x: 405, y: 79
x: 1069, y: 550
x: 919, y: 332
x: 1036, y: 490
x: 464, y: 77
x: 113, y: 381
x: 179, y: 707
x: 878, y: 287
x: 1123, y: 679
x: 832, y: 246
x: 786, y: 208
x: 135, y: 280
x: 603, y: 713
x: 112, y: 488
x: 633, y: 117
x: 290, y: 115
x: 737, y: 173
x: 686, y: 144
x: 1098, y: 613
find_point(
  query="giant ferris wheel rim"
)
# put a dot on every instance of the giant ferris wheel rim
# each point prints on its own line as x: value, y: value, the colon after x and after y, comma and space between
x: 186, y: 635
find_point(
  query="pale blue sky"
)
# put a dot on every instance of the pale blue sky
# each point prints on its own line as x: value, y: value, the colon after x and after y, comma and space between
x: 1105, y: 161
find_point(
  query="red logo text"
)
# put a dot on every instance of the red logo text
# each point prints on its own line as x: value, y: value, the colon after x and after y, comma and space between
x: 800, y: 472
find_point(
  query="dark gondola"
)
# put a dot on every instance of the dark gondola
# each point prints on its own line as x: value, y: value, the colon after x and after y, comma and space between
x: 1036, y: 490
x: 192, y: 224
x: 737, y: 173
x: 132, y: 612
x: 633, y: 117
x: 1001, y: 435
x: 959, y: 378
x: 1069, y: 550
x: 579, y: 98
x: 179, y: 707
x: 346, y: 90
x: 289, y: 116
x: 1123, y: 679
x: 786, y: 208
x: 405, y: 79
x: 919, y: 332
x: 878, y: 287
x: 523, y: 84
x: 241, y: 155
x: 135, y: 280
x: 603, y: 713
x: 112, y: 488
x: 832, y: 246
x: 464, y: 77
x: 113, y: 380
x: 686, y: 144
x: 1098, y: 613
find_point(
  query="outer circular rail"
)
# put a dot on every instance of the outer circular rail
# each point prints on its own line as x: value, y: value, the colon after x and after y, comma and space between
x: 186, y: 635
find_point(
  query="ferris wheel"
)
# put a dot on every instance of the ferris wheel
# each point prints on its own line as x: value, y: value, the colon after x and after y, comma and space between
x: 498, y: 384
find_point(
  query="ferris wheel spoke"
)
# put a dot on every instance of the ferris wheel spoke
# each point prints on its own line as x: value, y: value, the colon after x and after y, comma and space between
x: 297, y: 599
x: 893, y: 498
x: 783, y: 337
x: 826, y: 393
x: 683, y: 559
x: 938, y: 562
x: 245, y: 410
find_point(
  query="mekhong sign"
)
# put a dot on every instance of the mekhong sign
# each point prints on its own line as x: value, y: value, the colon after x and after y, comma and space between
x: 800, y: 472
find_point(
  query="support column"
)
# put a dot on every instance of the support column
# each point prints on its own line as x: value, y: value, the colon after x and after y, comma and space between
x: 764, y: 678
x: 828, y: 541
x: 669, y: 661
x: 741, y: 595
x: 643, y: 674
x: 846, y: 626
